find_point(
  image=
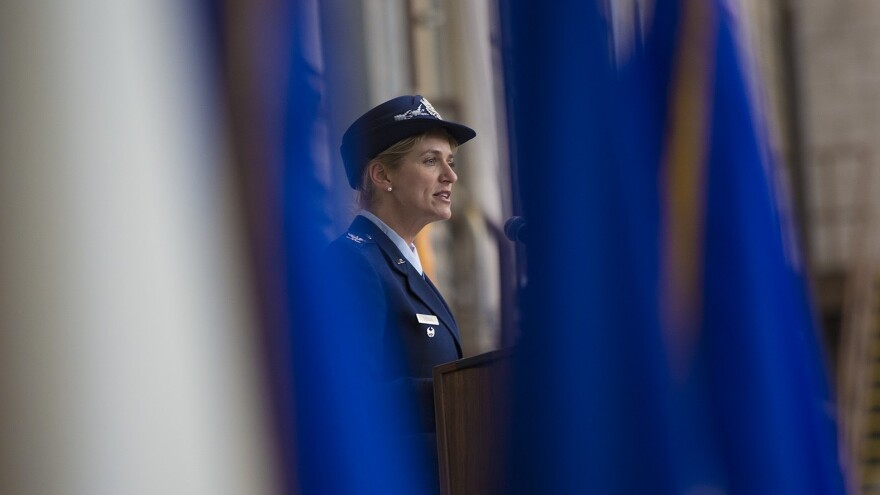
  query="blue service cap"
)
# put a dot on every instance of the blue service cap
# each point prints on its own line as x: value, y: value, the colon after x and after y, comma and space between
x: 396, y: 119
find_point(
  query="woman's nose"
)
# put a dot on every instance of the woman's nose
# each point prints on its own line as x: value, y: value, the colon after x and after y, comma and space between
x: 449, y: 175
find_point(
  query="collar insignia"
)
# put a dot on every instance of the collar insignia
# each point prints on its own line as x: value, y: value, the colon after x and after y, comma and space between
x: 354, y: 238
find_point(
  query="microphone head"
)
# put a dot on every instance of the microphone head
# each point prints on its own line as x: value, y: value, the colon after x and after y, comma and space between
x: 514, y: 228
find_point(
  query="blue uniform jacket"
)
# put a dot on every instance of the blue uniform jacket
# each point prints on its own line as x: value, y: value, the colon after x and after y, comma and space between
x: 409, y: 327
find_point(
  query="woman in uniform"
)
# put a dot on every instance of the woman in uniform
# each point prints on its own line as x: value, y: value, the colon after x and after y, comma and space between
x: 399, y: 157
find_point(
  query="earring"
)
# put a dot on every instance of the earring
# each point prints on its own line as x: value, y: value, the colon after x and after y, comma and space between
x: 389, y: 188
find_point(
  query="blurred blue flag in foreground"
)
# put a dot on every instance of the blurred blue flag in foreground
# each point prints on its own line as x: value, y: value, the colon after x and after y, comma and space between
x: 338, y: 437
x: 668, y: 343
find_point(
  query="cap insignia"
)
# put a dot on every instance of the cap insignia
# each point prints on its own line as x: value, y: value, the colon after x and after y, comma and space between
x: 424, y: 109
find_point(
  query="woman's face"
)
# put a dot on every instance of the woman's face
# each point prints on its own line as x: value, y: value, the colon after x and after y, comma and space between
x: 422, y: 185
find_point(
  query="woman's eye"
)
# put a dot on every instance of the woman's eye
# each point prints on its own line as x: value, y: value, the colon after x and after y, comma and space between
x: 431, y: 161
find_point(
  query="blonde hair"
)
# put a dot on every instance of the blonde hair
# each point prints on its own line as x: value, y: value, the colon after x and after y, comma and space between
x: 391, y: 159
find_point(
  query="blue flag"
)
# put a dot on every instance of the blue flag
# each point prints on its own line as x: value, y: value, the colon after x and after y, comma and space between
x: 668, y: 343
x: 342, y: 434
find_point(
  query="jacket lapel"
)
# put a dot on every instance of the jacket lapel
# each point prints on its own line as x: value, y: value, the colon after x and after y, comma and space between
x: 442, y: 301
x: 422, y: 288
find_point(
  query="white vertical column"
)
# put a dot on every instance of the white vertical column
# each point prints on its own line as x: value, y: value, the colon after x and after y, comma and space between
x: 126, y: 361
x: 388, y: 67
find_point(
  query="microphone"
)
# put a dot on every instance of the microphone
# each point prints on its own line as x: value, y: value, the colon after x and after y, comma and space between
x: 516, y: 229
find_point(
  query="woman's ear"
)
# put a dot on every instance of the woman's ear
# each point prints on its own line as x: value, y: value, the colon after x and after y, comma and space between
x: 378, y: 175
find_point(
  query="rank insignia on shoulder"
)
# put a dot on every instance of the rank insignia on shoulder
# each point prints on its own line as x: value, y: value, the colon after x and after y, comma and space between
x: 354, y: 238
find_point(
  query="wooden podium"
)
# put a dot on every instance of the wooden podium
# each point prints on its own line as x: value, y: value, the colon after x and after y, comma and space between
x: 471, y: 401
